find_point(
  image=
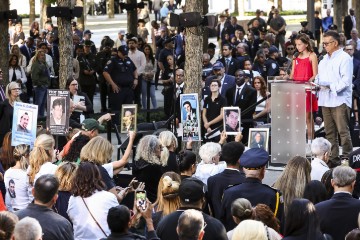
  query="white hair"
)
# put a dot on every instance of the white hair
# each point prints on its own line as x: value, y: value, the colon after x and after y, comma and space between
x: 320, y: 146
x: 250, y: 229
x: 343, y: 176
x: 208, y: 151
x: 28, y: 229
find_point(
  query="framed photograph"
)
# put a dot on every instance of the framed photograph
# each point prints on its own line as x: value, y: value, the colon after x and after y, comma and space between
x: 24, y: 124
x: 190, y: 117
x: 259, y: 138
x: 58, y: 114
x: 232, y: 120
x: 128, y: 117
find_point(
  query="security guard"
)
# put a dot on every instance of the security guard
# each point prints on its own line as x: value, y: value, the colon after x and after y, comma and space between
x: 305, y: 30
x: 271, y: 64
x: 88, y: 67
x: 120, y: 73
x: 102, y: 59
x: 253, y: 162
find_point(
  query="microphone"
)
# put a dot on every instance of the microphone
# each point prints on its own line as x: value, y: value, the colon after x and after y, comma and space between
x: 296, y: 55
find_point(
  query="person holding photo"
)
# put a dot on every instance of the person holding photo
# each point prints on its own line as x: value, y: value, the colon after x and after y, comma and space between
x: 12, y: 93
x: 213, y: 109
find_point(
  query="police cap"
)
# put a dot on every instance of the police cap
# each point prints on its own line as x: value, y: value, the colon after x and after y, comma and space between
x: 254, y: 158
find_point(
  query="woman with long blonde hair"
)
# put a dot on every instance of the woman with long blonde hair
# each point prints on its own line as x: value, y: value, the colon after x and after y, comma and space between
x: 41, y: 158
x: 293, y: 180
x: 168, y: 155
x: 168, y: 200
x: 17, y: 182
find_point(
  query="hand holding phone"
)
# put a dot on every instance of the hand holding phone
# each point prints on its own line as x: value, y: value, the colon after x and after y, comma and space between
x: 140, y: 199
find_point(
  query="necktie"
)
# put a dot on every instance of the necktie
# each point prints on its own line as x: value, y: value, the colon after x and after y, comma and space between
x: 237, y: 95
x: 14, y: 75
x: 227, y: 61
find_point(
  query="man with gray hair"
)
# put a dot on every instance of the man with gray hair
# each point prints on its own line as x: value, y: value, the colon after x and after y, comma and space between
x: 321, y: 149
x: 27, y: 229
x: 191, y: 225
x: 339, y: 215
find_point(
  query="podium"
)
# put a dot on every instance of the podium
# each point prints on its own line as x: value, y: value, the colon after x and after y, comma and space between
x: 288, y: 120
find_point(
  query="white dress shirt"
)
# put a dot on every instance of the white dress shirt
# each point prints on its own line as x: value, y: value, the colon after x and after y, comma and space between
x: 318, y: 168
x: 336, y: 72
x: 139, y: 60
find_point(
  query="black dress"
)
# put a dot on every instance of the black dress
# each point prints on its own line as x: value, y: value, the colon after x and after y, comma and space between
x: 6, y: 118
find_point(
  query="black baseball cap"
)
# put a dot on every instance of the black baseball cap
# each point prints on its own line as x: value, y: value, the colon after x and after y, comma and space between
x: 191, y: 190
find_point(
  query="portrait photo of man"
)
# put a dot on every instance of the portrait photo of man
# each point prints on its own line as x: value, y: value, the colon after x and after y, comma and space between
x: 128, y: 120
x: 24, y: 123
x: 231, y: 120
x: 11, y: 188
x: 57, y: 112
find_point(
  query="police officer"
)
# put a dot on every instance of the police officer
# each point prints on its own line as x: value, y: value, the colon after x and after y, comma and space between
x: 257, y: 42
x: 102, y: 58
x: 88, y: 67
x: 271, y: 64
x: 305, y: 30
x: 120, y: 73
x: 253, y: 162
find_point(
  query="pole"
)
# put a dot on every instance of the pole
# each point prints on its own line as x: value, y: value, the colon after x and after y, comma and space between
x: 310, y: 15
x: 148, y: 86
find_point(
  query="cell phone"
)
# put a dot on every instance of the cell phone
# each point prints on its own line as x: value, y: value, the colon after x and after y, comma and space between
x: 140, y: 198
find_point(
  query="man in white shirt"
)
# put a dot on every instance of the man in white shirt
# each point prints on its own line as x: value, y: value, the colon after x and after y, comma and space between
x: 321, y: 149
x: 139, y: 60
x: 335, y: 95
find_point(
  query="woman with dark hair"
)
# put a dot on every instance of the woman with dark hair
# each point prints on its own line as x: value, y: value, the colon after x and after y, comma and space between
x: 16, y: 72
x: 8, y: 221
x: 167, y: 79
x: 90, y: 203
x: 73, y: 154
x: 187, y: 164
x: 315, y: 191
x: 34, y: 30
x: 149, y: 72
x: 263, y: 108
x: 301, y: 221
x: 304, y: 69
x: 326, y: 180
x: 82, y: 103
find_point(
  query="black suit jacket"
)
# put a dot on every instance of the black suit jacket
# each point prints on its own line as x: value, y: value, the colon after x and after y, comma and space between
x: 248, y: 97
x: 217, y: 185
x: 24, y: 51
x: 348, y: 25
x: 338, y: 215
x: 234, y: 65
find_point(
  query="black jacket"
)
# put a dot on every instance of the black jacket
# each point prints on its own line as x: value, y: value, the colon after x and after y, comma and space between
x: 248, y: 97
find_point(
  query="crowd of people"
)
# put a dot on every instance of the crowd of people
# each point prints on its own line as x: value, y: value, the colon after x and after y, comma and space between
x: 215, y: 192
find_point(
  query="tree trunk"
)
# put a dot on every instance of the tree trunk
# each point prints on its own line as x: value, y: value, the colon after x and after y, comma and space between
x: 32, y: 11
x: 340, y: 10
x: 132, y: 19
x: 43, y: 16
x: 4, y: 42
x: 280, y: 5
x: 357, y: 13
x: 65, y: 45
x: 206, y: 30
x: 110, y: 9
x: 81, y: 20
x: 236, y: 7
x: 193, y: 58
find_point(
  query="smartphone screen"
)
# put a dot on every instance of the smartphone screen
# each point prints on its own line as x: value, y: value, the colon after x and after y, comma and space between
x: 140, y: 197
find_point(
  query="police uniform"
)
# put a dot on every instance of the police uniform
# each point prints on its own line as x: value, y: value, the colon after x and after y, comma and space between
x: 102, y: 59
x: 272, y: 66
x: 252, y: 189
x: 87, y: 82
x: 122, y: 73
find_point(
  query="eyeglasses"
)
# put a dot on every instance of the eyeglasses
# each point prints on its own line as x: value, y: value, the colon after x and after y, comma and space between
x: 290, y: 48
x: 349, y: 49
x: 327, y: 43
